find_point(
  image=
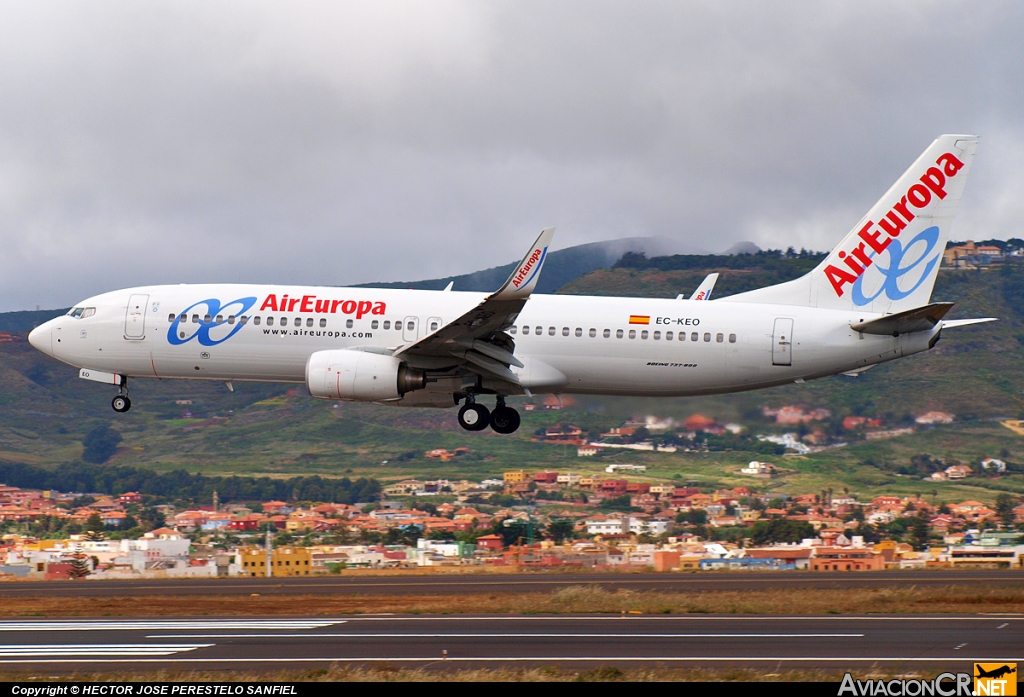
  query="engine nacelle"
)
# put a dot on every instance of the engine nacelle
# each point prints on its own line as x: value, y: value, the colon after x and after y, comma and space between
x: 357, y: 375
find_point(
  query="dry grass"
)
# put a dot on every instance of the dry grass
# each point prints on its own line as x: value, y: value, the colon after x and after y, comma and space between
x: 575, y: 599
x: 440, y: 673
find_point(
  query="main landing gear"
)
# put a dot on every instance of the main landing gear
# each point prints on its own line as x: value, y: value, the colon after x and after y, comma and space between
x: 121, y: 403
x: 476, y: 417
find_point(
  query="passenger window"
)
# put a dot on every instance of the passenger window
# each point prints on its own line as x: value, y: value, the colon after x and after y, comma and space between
x: 170, y: 317
x: 270, y: 321
x: 693, y: 336
x: 732, y: 338
x: 220, y: 319
x: 551, y: 331
x: 387, y: 324
x: 618, y: 333
x: 538, y: 330
x: 309, y: 321
x: 719, y: 338
x: 657, y: 335
x: 707, y: 336
x: 668, y: 336
x: 526, y: 329
x: 643, y: 334
x: 256, y: 320
x: 183, y: 318
x: 348, y: 323
x: 207, y: 319
x: 433, y: 326
x: 373, y: 324
x: 565, y: 331
x: 323, y: 322
x: 243, y: 319
x: 593, y: 332
x: 632, y: 333
x: 298, y: 321
x: 195, y: 319
x: 579, y: 331
x: 410, y: 325
x: 512, y: 330
x: 283, y: 322
x: 607, y: 333
x: 231, y: 319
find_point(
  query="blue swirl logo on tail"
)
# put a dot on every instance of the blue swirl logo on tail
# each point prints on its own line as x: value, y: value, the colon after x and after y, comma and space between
x: 895, y: 271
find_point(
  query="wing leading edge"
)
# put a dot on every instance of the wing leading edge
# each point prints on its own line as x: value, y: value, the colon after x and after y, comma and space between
x: 477, y: 341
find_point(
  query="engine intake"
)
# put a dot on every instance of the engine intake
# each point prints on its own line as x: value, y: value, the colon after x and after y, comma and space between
x: 361, y: 376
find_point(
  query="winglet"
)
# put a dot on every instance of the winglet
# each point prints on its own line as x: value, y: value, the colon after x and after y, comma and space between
x: 703, y: 291
x: 525, y: 276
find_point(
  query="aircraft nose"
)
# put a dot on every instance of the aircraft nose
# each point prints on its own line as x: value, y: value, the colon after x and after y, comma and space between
x: 41, y: 338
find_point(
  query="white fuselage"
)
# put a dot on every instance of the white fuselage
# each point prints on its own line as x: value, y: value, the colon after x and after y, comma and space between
x: 715, y: 347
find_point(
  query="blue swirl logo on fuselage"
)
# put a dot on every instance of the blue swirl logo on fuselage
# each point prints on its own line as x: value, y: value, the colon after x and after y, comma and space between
x: 178, y: 335
x: 894, y: 272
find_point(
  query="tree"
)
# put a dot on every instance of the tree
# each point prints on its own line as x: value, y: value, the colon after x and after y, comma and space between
x: 560, y: 530
x: 94, y: 523
x: 79, y: 565
x: 780, y: 530
x: 100, y: 444
x: 1004, y: 509
x: 919, y: 531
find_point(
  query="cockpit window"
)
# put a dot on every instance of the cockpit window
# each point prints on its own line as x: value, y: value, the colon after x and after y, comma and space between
x: 82, y: 312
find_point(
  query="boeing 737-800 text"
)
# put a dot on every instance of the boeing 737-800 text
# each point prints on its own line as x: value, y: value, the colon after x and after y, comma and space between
x: 866, y: 303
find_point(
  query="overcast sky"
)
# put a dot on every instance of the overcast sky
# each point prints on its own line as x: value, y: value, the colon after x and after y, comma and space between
x: 338, y: 143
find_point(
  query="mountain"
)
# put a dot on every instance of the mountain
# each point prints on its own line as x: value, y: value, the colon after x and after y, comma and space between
x: 561, y: 267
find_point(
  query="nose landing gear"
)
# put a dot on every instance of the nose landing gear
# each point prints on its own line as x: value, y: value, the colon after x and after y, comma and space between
x: 476, y: 417
x: 121, y: 403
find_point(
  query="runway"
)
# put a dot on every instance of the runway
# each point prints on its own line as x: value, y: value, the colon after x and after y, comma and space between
x: 583, y: 641
x: 532, y: 582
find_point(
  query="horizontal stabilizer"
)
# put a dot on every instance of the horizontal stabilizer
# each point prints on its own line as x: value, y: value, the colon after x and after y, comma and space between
x: 920, y: 319
x: 953, y: 323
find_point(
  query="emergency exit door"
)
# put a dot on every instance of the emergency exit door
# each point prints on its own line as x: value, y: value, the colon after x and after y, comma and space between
x: 782, y: 342
x: 135, y: 317
x: 411, y: 329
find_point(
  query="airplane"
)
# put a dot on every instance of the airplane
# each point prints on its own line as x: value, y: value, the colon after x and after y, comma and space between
x: 866, y: 303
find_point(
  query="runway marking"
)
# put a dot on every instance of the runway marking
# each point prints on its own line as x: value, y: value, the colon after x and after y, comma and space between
x: 97, y: 649
x: 88, y: 625
x: 538, y: 659
x: 957, y: 648
x: 1004, y: 624
x: 398, y: 635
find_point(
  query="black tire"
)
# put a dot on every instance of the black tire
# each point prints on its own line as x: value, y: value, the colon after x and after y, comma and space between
x: 505, y: 420
x: 121, y: 404
x: 474, y: 417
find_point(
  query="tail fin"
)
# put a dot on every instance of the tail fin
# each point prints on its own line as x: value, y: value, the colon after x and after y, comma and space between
x: 889, y: 260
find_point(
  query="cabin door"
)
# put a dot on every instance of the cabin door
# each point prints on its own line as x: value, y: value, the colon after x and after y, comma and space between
x: 135, y: 317
x: 782, y: 342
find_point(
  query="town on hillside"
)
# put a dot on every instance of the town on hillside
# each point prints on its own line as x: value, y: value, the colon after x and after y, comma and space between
x: 525, y: 520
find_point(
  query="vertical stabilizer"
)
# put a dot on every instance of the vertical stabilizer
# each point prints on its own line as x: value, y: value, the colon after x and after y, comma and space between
x: 889, y: 260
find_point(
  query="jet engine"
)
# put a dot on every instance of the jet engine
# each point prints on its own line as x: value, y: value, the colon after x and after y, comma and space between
x: 360, y: 376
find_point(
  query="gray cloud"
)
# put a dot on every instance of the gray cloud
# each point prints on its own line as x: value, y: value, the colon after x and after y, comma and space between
x: 344, y: 143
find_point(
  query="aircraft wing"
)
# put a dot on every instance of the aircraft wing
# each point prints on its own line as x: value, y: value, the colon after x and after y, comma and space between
x: 477, y: 340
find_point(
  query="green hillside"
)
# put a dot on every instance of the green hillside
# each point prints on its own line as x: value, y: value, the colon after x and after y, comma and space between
x: 974, y: 372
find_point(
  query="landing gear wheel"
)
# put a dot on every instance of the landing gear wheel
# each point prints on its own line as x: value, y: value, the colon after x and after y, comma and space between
x: 121, y: 404
x: 474, y: 417
x: 504, y: 420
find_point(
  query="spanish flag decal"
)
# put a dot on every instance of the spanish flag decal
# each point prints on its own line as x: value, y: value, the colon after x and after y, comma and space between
x: 639, y: 319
